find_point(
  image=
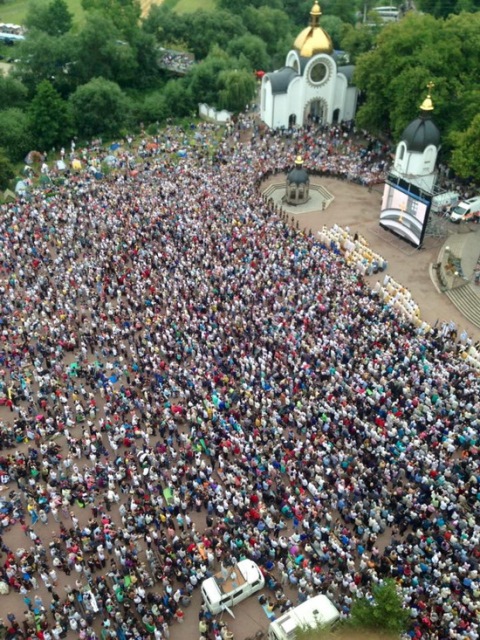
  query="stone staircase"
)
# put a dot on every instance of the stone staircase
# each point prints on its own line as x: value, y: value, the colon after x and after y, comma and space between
x: 325, y: 194
x: 467, y: 300
x: 270, y: 189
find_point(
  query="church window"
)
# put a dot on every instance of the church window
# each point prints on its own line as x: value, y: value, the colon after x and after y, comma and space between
x: 319, y: 73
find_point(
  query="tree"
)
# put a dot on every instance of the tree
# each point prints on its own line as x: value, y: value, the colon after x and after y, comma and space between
x: 234, y: 7
x: 335, y: 28
x: 253, y: 48
x: 340, y: 632
x: 51, y: 120
x: 101, y: 53
x: 7, y: 170
x: 444, y: 8
x: 45, y: 57
x: 466, y: 153
x: 168, y: 27
x: 123, y: 14
x: 270, y: 25
x: 145, y: 50
x: 343, y: 9
x: 298, y: 11
x: 357, y: 40
x: 383, y: 613
x: 407, y: 55
x: 204, y: 29
x: 15, y: 136
x: 53, y: 18
x: 155, y: 108
x: 179, y: 99
x: 237, y: 88
x: 99, y: 107
x: 204, y: 79
x: 12, y: 93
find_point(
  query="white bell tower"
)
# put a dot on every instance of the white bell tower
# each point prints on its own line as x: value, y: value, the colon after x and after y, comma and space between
x: 417, y: 151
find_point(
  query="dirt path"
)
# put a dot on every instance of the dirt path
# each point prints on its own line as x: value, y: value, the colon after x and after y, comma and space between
x: 146, y: 5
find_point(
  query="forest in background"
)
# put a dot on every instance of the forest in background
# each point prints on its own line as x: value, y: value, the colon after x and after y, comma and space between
x: 97, y: 71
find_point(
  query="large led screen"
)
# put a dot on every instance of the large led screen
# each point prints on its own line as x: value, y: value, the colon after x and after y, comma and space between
x: 404, y: 213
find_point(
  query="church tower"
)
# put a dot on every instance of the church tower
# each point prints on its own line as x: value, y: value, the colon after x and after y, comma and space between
x: 311, y: 88
x: 417, y: 151
x: 409, y: 187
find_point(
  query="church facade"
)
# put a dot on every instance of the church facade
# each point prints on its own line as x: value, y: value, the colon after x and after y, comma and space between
x: 311, y: 87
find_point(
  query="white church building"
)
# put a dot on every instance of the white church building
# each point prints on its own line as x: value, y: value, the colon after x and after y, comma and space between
x: 311, y: 87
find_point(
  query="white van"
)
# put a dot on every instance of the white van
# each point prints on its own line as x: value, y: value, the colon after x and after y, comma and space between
x: 446, y: 199
x: 318, y: 611
x: 466, y: 210
x: 232, y: 585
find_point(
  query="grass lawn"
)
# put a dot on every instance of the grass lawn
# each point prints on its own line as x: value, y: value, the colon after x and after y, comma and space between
x: 188, y: 6
x: 180, y: 6
x: 14, y: 11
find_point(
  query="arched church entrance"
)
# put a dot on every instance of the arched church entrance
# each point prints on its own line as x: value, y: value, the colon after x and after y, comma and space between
x: 292, y: 120
x: 316, y: 111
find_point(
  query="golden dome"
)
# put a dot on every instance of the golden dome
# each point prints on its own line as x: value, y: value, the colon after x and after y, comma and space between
x: 313, y: 39
x: 427, y: 104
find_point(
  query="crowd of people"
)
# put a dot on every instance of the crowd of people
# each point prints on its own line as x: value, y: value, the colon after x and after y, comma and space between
x: 187, y: 380
x: 177, y: 61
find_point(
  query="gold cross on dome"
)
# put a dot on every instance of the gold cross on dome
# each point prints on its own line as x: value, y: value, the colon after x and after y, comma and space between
x: 430, y: 86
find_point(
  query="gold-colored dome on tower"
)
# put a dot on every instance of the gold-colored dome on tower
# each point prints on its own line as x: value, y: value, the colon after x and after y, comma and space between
x: 313, y: 39
x: 427, y: 104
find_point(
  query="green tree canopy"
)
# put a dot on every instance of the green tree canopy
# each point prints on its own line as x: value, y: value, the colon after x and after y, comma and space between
x: 270, y: 25
x: 357, y: 40
x: 466, y: 154
x: 253, y: 48
x: 382, y: 614
x: 144, y: 48
x: 123, y: 14
x: 12, y: 93
x: 343, y: 9
x: 53, y: 17
x: 335, y: 28
x: 99, y: 108
x: 237, y: 88
x: 15, y: 136
x: 406, y: 56
x: 45, y: 57
x: 235, y: 7
x: 102, y: 53
x: 7, y: 170
x: 168, y: 27
x: 205, y: 29
x: 179, y: 99
x: 444, y: 8
x: 154, y: 107
x: 204, y: 78
x: 51, y: 121
x: 298, y: 11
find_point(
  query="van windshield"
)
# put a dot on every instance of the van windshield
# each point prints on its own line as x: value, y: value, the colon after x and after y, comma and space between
x: 460, y: 211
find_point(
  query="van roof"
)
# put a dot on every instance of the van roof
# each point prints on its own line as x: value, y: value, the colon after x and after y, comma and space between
x: 217, y: 585
x: 315, y: 611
